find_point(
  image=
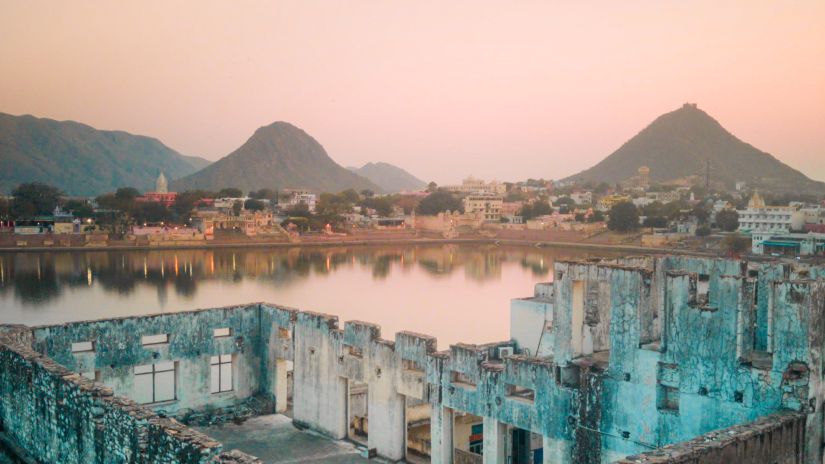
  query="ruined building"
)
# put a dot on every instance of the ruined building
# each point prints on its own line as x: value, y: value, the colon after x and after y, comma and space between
x: 638, y: 360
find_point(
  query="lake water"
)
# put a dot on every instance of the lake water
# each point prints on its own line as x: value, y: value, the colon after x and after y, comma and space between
x: 453, y: 292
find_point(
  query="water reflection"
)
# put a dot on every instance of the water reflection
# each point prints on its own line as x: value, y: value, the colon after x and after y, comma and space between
x: 349, y: 281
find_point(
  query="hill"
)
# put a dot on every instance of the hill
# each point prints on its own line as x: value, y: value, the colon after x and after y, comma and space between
x: 391, y: 179
x: 680, y: 143
x: 279, y: 155
x: 81, y: 160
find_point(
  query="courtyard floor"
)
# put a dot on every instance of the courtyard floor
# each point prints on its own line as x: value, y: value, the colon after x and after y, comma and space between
x: 274, y: 439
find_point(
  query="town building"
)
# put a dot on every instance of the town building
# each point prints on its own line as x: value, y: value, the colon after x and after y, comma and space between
x: 161, y: 194
x: 582, y: 197
x: 763, y: 222
x: 609, y: 201
x: 665, y: 197
x: 790, y: 245
x: 487, y: 204
x: 473, y: 185
x: 59, y: 222
x: 293, y: 197
x: 667, y: 360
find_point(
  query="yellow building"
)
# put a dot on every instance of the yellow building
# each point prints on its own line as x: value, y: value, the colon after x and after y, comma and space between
x: 607, y: 202
x: 489, y: 205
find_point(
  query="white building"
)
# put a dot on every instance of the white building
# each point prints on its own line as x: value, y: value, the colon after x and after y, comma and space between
x: 762, y: 221
x: 583, y: 197
x: 294, y: 197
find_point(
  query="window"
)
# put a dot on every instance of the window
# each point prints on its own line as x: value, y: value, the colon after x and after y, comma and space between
x: 83, y: 347
x: 221, y: 373
x: 155, y: 383
x: 519, y: 393
x: 222, y: 332
x: 154, y: 339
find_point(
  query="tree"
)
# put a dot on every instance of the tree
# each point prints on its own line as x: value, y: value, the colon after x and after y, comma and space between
x: 736, y: 244
x: 151, y: 212
x: 727, y: 220
x: 300, y: 209
x: 264, y: 194
x: 254, y: 205
x: 230, y: 192
x: 367, y: 193
x: 703, y: 231
x: 438, y: 202
x: 237, y: 207
x: 79, y: 209
x: 536, y: 209
x: 624, y: 217
x: 432, y: 187
x: 701, y: 213
x: 350, y: 196
x: 185, y: 201
x: 657, y: 222
x: 381, y: 205
x: 126, y: 193
x: 515, y: 195
x: 33, y: 198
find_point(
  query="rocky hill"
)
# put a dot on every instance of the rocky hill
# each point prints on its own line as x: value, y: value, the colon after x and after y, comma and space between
x: 390, y: 178
x: 279, y: 155
x: 679, y: 144
x: 81, y: 160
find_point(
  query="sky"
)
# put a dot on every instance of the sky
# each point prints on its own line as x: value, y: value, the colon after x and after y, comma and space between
x: 445, y: 89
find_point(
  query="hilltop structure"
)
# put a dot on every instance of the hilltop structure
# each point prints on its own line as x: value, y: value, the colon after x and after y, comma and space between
x: 638, y: 360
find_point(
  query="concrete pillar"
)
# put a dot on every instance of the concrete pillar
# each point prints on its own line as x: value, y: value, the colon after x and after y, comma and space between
x: 556, y: 451
x: 441, y: 435
x: 319, y: 393
x: 280, y: 387
x: 495, y: 441
x: 387, y: 422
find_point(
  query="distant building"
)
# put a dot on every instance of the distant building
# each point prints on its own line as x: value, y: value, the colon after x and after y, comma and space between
x: 763, y: 222
x: 489, y: 205
x: 161, y: 194
x: 59, y: 222
x: 665, y: 197
x: 608, y: 201
x: 643, y: 177
x: 582, y: 197
x: 792, y: 245
x: 294, y: 197
x: 473, y: 185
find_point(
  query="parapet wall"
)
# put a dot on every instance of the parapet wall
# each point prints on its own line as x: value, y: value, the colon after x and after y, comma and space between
x: 773, y: 439
x: 58, y: 416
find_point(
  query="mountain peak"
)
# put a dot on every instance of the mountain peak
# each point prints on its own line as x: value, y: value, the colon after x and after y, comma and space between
x: 390, y: 178
x: 279, y: 155
x: 60, y: 153
x: 679, y: 145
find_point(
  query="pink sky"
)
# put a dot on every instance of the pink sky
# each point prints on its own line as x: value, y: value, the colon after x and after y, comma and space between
x: 504, y: 90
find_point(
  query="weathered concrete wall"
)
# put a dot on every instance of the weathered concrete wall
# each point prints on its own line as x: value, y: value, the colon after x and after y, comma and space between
x: 191, y: 343
x: 773, y: 439
x: 58, y: 416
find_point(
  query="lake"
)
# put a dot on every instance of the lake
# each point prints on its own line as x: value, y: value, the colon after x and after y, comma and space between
x: 453, y: 292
